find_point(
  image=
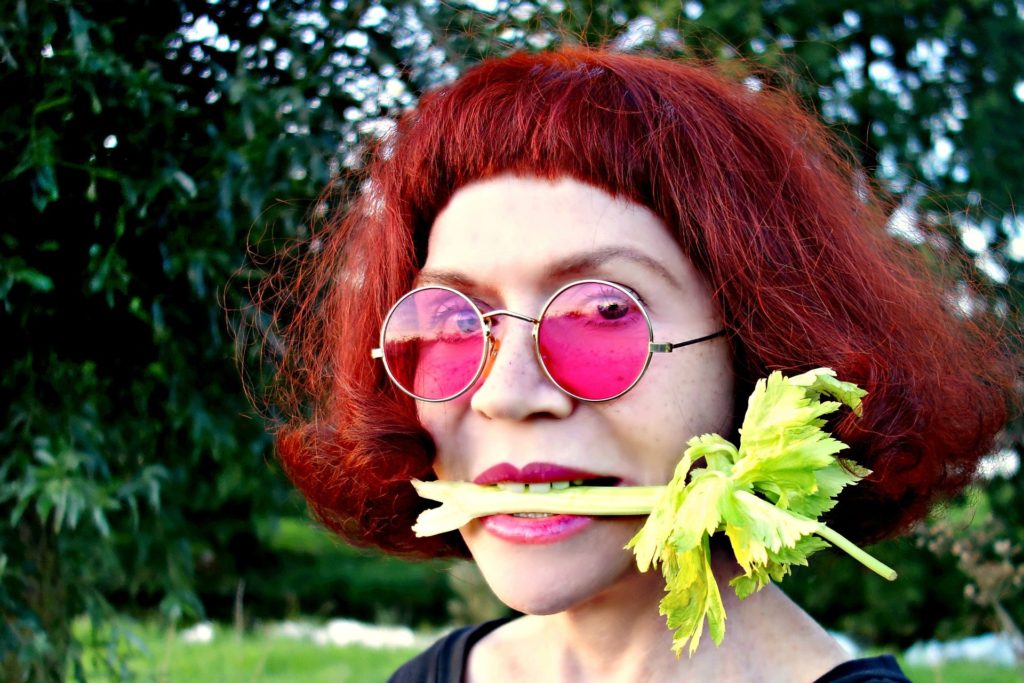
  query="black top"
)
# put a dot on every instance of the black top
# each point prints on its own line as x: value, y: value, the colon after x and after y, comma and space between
x: 445, y: 662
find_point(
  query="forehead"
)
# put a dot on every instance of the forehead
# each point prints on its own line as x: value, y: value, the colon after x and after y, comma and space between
x: 513, y: 226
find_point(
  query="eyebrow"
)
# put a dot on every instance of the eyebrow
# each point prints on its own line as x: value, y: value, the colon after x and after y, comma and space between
x: 571, y: 265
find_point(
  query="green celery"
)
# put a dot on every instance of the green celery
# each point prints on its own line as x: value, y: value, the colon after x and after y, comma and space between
x: 464, y: 502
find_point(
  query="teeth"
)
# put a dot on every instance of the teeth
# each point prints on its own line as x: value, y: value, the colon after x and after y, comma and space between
x: 532, y: 515
x: 538, y: 487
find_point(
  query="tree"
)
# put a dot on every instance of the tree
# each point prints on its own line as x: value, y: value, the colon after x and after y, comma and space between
x: 130, y: 178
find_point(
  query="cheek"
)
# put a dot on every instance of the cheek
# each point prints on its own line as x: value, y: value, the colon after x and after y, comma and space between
x: 438, y: 421
x: 683, y: 400
x: 706, y: 386
x: 707, y: 404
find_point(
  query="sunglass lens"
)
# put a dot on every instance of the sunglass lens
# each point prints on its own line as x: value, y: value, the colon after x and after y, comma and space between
x: 593, y: 340
x: 434, y: 343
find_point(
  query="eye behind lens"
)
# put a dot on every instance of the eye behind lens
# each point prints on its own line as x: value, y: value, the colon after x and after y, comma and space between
x: 613, y: 309
x: 434, y: 343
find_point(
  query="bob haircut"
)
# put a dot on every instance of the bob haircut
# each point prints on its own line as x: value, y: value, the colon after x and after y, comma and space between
x: 758, y: 195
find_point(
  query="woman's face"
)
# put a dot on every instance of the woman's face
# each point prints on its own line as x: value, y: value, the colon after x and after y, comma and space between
x: 510, y: 242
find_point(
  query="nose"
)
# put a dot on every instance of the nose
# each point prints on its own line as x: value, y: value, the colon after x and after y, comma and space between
x: 513, y: 386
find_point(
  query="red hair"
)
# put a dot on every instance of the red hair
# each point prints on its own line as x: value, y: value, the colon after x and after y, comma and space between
x: 786, y: 231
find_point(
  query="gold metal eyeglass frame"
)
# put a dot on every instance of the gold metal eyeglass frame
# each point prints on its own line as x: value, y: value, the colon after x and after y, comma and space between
x: 491, y: 344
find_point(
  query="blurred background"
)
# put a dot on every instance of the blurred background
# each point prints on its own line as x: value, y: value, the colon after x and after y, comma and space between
x: 146, y: 532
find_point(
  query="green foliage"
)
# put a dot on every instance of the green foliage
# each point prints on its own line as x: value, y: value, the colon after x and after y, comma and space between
x: 960, y: 574
x: 925, y: 601
x: 315, y: 573
x: 140, y: 150
x: 130, y: 468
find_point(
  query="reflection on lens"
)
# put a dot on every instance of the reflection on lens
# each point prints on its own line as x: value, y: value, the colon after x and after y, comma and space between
x: 434, y: 343
x: 593, y: 340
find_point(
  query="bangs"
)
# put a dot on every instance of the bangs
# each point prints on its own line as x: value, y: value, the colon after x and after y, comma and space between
x: 550, y: 116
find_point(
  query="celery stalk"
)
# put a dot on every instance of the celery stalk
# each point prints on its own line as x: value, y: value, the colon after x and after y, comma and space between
x: 844, y: 544
x: 464, y: 501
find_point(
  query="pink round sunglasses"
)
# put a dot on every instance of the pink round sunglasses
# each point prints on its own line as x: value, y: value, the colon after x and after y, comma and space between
x: 593, y: 339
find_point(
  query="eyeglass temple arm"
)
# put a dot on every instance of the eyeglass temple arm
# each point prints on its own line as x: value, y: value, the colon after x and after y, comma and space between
x: 656, y: 347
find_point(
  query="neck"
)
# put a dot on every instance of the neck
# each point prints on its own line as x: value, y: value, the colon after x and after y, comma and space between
x: 619, y: 635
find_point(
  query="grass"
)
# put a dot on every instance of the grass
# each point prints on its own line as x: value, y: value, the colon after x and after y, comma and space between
x: 964, y: 672
x: 163, y: 657
x: 252, y: 658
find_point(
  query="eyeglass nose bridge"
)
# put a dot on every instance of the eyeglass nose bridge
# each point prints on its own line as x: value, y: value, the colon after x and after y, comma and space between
x: 512, y: 314
x: 494, y: 343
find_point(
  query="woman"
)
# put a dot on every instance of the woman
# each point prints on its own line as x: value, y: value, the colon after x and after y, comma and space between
x: 629, y: 190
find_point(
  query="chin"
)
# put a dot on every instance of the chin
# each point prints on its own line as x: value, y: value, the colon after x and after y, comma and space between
x: 538, y: 601
x: 547, y: 579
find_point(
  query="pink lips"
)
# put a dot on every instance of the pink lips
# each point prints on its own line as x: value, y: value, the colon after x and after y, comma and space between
x: 533, y: 530
x: 532, y: 473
